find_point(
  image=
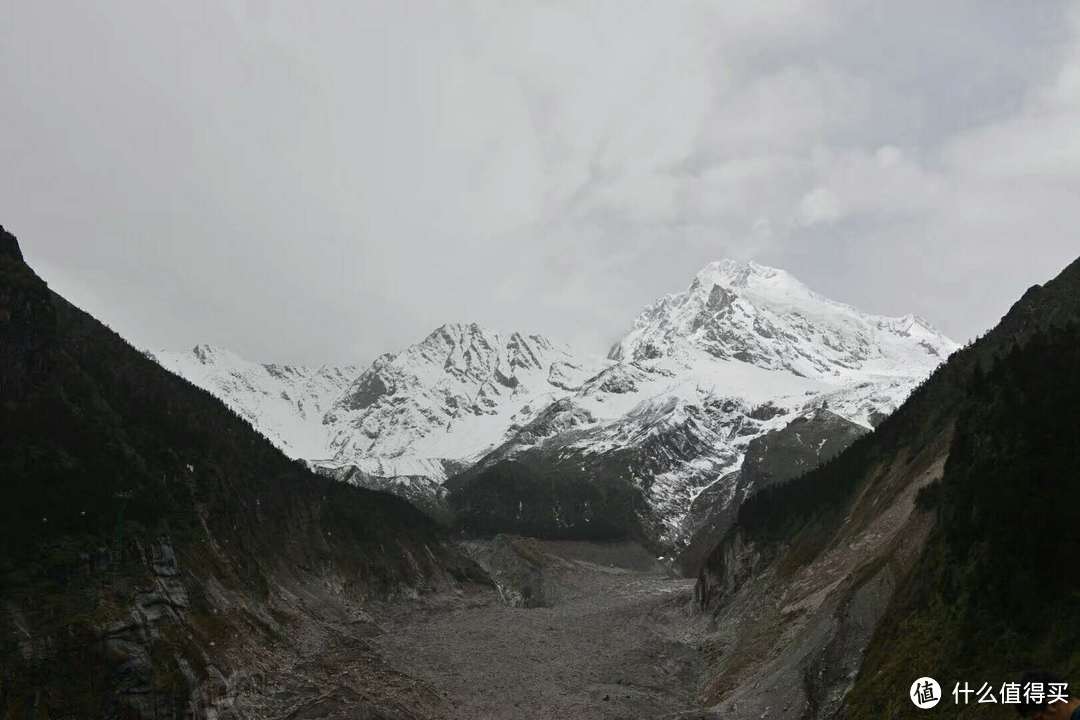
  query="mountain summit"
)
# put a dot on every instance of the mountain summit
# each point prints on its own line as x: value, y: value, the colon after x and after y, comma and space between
x: 765, y: 317
x: 446, y: 399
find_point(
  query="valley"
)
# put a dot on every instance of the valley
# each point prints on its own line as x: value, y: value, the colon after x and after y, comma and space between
x: 709, y: 360
x: 203, y: 573
x: 617, y: 638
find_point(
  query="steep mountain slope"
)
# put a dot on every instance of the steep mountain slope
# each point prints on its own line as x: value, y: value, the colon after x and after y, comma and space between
x: 408, y: 418
x: 775, y: 457
x: 801, y: 582
x: 159, y: 558
x: 990, y: 596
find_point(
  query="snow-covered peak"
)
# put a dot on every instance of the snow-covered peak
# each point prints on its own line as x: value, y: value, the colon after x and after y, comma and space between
x: 466, y: 357
x: 738, y: 274
x: 469, y: 350
x: 742, y: 351
x: 448, y: 397
x: 746, y: 312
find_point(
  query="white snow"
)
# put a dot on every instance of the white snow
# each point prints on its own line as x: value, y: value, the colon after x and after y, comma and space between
x: 742, y: 335
x: 284, y: 402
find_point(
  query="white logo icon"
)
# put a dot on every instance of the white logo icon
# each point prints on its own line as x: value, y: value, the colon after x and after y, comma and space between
x: 925, y: 693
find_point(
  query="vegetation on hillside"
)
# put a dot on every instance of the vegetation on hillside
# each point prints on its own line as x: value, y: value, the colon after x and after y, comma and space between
x: 995, y: 592
x: 819, y: 500
x: 108, y: 465
x: 574, y: 498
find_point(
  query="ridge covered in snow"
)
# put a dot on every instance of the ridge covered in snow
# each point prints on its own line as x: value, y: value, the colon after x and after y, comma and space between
x: 286, y: 403
x: 447, y: 399
x: 741, y: 352
x: 765, y: 317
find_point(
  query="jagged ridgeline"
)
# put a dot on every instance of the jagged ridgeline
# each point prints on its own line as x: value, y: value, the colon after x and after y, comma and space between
x: 938, y: 545
x: 519, y: 433
x: 153, y: 547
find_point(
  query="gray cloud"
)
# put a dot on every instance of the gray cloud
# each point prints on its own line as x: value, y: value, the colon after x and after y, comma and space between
x: 330, y: 181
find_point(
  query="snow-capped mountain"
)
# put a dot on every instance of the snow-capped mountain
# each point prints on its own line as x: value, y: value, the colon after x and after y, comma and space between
x: 286, y: 403
x: 745, y: 351
x: 436, y: 405
x: 443, y: 402
x: 766, y: 318
x: 622, y: 444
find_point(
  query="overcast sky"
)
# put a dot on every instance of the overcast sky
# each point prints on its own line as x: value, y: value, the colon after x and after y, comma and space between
x: 328, y: 181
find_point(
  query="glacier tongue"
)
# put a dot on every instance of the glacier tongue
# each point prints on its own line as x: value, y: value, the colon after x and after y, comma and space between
x: 742, y: 352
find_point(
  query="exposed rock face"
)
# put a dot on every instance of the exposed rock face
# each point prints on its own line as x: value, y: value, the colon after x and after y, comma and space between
x: 161, y: 559
x: 790, y: 637
x: 565, y: 477
x: 445, y: 399
x: 777, y: 456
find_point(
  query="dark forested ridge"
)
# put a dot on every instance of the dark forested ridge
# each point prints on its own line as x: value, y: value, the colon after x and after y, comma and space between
x: 996, y: 591
x: 820, y: 497
x: 577, y: 498
x: 146, y: 531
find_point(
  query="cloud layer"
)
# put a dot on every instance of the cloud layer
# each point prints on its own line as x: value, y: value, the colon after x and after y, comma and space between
x: 330, y: 181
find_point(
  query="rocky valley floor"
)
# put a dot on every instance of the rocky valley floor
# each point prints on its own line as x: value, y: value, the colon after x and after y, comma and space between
x: 616, y: 639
